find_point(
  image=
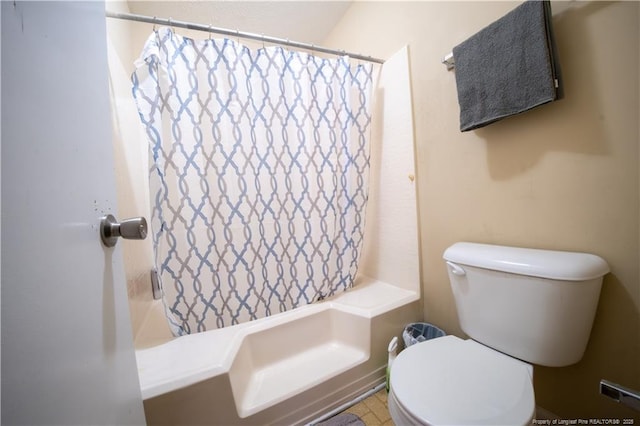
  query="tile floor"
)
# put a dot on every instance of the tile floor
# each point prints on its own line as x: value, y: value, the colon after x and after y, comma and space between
x: 373, y: 410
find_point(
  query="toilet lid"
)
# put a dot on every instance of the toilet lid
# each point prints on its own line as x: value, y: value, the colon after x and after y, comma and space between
x: 453, y: 381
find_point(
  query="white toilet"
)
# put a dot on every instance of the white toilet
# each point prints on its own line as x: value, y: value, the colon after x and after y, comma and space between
x: 519, y: 306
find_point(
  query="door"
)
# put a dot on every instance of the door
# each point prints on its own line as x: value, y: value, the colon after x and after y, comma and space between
x: 67, y: 351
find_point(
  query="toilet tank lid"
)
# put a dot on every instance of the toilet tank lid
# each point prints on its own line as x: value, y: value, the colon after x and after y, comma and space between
x: 557, y: 265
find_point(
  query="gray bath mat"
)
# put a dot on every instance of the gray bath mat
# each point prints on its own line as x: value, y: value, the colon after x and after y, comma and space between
x: 344, y: 419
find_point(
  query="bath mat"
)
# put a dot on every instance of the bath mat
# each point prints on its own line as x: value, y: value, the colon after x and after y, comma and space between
x: 344, y: 419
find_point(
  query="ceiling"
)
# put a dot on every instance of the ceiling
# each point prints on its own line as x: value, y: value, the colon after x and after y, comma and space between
x: 303, y: 21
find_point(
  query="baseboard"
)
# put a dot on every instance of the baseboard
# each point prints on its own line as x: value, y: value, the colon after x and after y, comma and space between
x: 543, y: 414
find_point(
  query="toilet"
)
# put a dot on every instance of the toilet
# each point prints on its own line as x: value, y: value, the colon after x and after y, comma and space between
x: 519, y: 307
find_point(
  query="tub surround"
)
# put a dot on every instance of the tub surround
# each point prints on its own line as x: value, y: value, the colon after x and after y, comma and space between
x: 295, y: 366
x: 265, y: 365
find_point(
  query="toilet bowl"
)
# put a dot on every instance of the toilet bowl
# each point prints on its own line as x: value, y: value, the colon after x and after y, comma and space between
x: 450, y: 381
x: 499, y: 292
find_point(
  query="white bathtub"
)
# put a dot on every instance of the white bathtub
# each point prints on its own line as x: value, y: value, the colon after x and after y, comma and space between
x: 289, y: 368
x: 293, y: 367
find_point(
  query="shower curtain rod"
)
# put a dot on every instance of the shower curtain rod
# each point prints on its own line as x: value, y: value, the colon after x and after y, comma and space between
x: 235, y: 33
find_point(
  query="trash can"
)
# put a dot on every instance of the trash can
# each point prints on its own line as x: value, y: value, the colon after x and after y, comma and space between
x: 419, y: 332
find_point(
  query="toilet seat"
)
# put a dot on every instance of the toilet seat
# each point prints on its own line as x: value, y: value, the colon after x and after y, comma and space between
x: 451, y: 381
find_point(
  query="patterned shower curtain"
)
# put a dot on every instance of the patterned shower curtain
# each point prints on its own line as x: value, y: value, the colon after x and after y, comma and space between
x: 259, y: 176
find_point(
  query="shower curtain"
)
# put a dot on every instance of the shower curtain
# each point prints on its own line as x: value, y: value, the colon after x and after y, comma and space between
x: 259, y: 176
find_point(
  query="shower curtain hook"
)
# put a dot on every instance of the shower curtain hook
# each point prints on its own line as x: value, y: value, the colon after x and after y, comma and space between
x: 154, y: 25
x: 238, y: 35
x: 171, y: 25
x: 263, y: 41
x: 210, y: 32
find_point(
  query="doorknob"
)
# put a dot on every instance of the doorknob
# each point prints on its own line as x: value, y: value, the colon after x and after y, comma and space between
x: 131, y: 229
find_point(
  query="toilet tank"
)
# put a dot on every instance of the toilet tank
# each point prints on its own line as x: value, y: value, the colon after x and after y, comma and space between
x: 535, y: 305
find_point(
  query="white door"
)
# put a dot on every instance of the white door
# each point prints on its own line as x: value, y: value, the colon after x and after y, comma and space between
x: 67, y: 351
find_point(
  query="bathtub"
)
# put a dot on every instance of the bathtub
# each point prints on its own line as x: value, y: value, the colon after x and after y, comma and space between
x: 294, y: 367
x: 289, y: 368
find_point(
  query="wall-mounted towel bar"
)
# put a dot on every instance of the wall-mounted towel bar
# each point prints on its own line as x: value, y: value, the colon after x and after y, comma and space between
x: 449, y: 61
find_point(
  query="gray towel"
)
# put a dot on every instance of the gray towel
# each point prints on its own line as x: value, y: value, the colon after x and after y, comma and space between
x: 508, y: 67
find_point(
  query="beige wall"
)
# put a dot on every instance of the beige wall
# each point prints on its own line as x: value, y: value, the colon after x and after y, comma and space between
x: 131, y: 159
x: 563, y: 176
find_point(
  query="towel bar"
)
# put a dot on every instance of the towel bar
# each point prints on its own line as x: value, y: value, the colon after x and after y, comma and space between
x: 449, y: 61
